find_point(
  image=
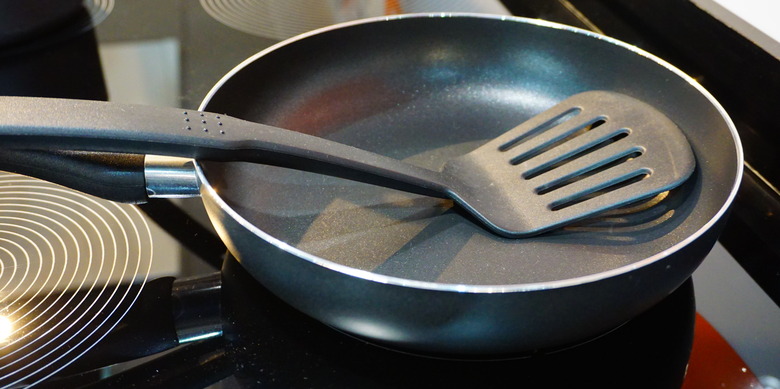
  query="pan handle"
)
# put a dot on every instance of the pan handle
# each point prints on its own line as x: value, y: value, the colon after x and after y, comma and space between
x: 112, y: 176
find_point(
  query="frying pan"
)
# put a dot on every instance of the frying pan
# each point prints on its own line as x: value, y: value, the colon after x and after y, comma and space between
x: 415, y: 273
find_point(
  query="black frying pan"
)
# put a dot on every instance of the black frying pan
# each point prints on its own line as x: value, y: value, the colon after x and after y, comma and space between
x: 414, y: 272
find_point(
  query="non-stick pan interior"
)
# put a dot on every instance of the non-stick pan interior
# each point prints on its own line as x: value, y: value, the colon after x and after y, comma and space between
x: 425, y: 89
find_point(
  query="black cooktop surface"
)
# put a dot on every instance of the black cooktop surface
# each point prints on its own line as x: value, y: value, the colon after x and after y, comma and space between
x: 240, y: 335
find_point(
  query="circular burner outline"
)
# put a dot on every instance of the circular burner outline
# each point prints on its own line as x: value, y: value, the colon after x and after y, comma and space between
x: 126, y: 219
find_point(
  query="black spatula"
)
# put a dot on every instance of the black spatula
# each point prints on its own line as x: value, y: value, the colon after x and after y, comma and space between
x: 591, y: 153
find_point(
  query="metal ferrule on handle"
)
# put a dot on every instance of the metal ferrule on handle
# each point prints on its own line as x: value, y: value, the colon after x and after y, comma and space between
x: 170, y: 177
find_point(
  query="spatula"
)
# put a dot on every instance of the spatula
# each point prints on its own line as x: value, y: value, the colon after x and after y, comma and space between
x: 592, y: 152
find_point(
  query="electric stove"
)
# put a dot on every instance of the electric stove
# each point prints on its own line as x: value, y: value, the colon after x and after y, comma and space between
x: 182, y: 313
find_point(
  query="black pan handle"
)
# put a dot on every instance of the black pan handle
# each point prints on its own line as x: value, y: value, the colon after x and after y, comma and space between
x: 112, y: 176
x: 62, y: 124
x: 168, y: 312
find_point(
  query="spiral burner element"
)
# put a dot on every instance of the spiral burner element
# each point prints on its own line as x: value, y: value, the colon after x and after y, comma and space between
x: 99, y: 10
x: 281, y: 19
x: 71, y: 266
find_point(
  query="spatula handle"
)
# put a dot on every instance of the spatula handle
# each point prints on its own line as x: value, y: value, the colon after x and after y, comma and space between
x: 62, y: 124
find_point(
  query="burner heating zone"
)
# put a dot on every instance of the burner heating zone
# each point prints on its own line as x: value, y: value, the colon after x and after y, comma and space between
x: 67, y: 264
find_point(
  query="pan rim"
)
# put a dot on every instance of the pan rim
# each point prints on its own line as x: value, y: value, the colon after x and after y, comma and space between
x: 208, y: 190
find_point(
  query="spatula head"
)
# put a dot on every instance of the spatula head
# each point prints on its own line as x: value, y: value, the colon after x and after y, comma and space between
x: 591, y: 153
